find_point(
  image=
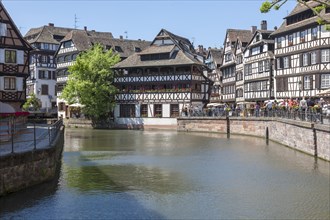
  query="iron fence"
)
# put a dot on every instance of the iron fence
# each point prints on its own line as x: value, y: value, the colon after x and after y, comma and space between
x: 20, y: 136
x: 308, y: 115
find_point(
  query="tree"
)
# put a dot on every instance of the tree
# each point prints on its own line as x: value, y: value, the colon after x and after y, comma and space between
x: 32, y: 102
x: 277, y: 4
x: 90, y: 82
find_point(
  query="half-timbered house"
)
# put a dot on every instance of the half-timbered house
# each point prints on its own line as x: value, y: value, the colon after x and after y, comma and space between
x: 258, y: 70
x: 77, y: 41
x: 160, y: 83
x: 42, y: 81
x: 302, y: 52
x: 213, y: 62
x: 234, y: 41
x: 14, y: 62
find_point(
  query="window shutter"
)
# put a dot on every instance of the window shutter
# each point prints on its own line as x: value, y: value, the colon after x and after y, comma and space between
x: 281, y: 62
x: 309, y: 59
x: 301, y: 59
x: 311, y: 82
x: 302, y: 83
x: 289, y: 60
x: 20, y: 57
x: 39, y: 73
x: 317, y: 81
x: 318, y: 56
x: 279, y: 85
x: 285, y: 84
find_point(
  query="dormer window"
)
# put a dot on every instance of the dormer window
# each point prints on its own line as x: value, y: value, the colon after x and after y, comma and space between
x: 108, y: 47
x: 257, y: 38
x: 118, y: 49
x: 67, y: 44
x: 137, y: 49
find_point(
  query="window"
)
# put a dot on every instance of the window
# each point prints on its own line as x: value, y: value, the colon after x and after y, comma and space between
x: 255, y: 50
x: 3, y: 30
x: 239, y: 59
x: 248, y: 69
x: 266, y: 64
x: 313, y: 57
x: 307, y: 82
x: 239, y: 76
x: 228, y: 57
x: 305, y: 59
x: 127, y: 111
x: 174, y: 110
x: 325, y: 81
x: 239, y: 93
x: 67, y: 44
x: 158, y: 111
x: 137, y: 49
x: 44, y: 89
x: 314, y: 33
x: 10, y: 56
x: 42, y: 74
x: 61, y: 106
x: 302, y: 36
x: 279, y: 42
x: 144, y: 111
x: 325, y: 55
x: 118, y: 49
x: 10, y: 83
x: 260, y: 66
x: 286, y: 63
x: 290, y: 40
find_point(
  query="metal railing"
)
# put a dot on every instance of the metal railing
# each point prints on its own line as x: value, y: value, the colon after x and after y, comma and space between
x: 308, y: 115
x: 27, y: 136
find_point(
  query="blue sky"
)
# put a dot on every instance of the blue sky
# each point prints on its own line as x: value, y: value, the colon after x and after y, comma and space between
x: 204, y: 22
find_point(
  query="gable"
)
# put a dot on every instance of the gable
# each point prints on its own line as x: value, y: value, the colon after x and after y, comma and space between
x: 10, y: 35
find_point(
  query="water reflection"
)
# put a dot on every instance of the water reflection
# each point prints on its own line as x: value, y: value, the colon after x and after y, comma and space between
x: 170, y: 175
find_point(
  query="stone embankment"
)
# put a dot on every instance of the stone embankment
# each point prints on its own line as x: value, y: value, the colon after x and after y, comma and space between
x: 313, y: 139
x: 25, y: 169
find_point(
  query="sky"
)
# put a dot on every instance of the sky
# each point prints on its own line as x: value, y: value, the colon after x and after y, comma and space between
x: 202, y: 22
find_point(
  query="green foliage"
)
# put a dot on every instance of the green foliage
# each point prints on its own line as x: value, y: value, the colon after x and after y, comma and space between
x: 90, y: 82
x: 266, y: 6
x: 32, y: 102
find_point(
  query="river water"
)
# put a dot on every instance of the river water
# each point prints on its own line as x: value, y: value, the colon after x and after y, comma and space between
x: 176, y: 175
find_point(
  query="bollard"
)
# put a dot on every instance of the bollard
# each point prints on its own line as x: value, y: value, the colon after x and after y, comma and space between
x: 267, y: 136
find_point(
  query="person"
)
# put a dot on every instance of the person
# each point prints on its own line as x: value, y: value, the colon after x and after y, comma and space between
x: 257, y: 107
x: 303, y: 107
x: 269, y: 107
x: 321, y: 102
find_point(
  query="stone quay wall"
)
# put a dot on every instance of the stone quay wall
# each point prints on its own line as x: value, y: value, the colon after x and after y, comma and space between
x: 313, y: 139
x: 22, y: 170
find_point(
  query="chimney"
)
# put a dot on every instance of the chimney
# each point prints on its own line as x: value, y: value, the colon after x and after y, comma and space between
x: 263, y: 25
x: 200, y: 48
x: 85, y: 28
x: 51, y: 24
x: 121, y: 37
x: 253, y: 29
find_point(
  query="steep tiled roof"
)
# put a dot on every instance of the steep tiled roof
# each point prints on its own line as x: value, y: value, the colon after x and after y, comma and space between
x: 298, y: 25
x: 134, y: 60
x: 243, y: 35
x: 217, y: 55
x: 45, y: 34
x: 83, y: 40
x: 185, y: 54
x: 158, y: 49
